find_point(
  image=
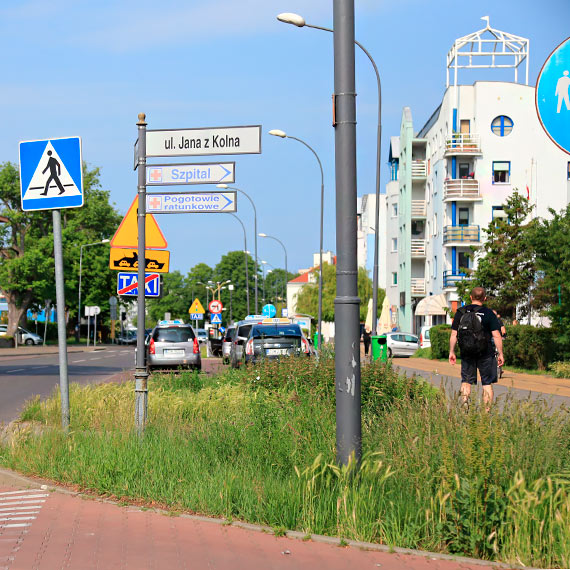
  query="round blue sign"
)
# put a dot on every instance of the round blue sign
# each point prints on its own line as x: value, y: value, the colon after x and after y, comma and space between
x: 553, y: 96
x: 269, y: 311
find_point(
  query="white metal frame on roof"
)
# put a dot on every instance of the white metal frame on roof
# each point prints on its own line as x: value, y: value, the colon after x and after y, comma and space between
x: 504, y: 50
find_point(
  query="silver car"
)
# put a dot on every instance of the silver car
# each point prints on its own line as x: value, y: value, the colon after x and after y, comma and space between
x: 227, y: 342
x: 240, y: 338
x: 24, y: 336
x: 402, y: 344
x: 173, y: 344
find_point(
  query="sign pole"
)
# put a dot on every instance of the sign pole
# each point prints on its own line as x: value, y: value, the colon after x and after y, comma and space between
x: 141, y: 374
x: 61, y: 332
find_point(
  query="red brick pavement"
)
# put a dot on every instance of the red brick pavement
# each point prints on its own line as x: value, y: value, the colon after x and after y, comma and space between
x: 72, y: 531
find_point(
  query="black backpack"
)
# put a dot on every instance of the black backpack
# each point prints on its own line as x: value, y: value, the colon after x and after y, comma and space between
x: 471, y: 336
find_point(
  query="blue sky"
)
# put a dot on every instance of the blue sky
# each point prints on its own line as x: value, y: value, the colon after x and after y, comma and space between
x: 88, y: 68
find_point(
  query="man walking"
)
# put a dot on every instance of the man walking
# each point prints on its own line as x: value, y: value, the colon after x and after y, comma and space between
x: 473, y: 328
x: 54, y: 174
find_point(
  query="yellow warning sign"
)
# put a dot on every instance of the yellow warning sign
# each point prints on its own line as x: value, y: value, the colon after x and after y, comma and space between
x: 128, y: 260
x: 196, y: 308
x: 127, y: 234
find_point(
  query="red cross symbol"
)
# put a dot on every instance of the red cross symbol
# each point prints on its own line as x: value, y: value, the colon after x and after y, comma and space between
x: 156, y: 174
x: 155, y: 203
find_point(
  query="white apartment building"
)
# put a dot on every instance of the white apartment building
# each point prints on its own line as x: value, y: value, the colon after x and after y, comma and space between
x: 451, y: 178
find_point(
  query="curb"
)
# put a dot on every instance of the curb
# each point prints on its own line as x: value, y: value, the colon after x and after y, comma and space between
x: 332, y: 540
x: 23, y: 352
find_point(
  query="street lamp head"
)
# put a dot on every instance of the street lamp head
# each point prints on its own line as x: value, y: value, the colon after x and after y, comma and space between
x: 224, y: 186
x: 290, y: 18
x: 264, y: 262
x: 105, y: 241
x: 262, y: 235
x: 278, y: 133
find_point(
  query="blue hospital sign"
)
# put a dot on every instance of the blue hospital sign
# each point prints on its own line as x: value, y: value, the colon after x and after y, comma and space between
x: 51, y: 174
x: 553, y: 96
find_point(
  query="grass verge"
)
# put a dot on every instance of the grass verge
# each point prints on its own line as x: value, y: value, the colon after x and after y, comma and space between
x: 259, y: 444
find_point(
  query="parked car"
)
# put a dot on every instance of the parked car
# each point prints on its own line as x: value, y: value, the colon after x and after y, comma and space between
x: 128, y: 337
x: 173, y: 344
x: 275, y: 340
x: 202, y: 335
x: 227, y: 342
x: 24, y: 335
x: 243, y: 329
x: 402, y: 344
x: 425, y: 341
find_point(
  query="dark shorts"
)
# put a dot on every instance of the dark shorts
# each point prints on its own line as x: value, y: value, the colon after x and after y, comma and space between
x: 487, y: 366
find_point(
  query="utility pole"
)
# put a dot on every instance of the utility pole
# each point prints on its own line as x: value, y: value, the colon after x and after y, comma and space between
x: 347, y: 302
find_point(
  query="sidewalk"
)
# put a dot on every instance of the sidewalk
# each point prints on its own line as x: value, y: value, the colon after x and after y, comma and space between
x: 46, y: 527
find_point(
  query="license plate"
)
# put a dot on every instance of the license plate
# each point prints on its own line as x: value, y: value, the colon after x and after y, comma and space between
x: 275, y: 351
x: 173, y: 352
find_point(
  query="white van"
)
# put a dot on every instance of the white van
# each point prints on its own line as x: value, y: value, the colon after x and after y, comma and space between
x: 424, y: 337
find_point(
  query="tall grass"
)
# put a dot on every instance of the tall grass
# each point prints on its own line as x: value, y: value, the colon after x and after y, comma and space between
x: 259, y: 445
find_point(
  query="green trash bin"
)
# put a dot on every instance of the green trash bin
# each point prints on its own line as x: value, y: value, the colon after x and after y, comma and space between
x: 379, y: 347
x: 316, y: 339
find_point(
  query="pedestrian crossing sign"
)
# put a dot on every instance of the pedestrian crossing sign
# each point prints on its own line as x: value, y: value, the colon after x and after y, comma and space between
x: 216, y: 318
x: 51, y: 174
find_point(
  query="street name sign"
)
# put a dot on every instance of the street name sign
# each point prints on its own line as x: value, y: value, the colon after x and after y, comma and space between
x: 216, y: 319
x: 215, y: 306
x: 156, y: 260
x: 196, y: 308
x: 206, y: 173
x: 51, y: 175
x: 127, y: 284
x: 206, y: 141
x: 191, y: 202
x: 553, y: 96
x: 127, y: 235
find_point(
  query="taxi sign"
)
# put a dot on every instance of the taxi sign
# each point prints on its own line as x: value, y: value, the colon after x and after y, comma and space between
x: 128, y: 259
x: 196, y: 308
x: 171, y: 322
x: 254, y: 318
x: 127, y: 235
x: 276, y: 321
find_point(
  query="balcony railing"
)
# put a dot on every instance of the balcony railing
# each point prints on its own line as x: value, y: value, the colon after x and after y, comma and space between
x: 418, y: 248
x: 450, y: 279
x: 461, y: 189
x: 418, y: 208
x: 418, y: 286
x: 461, y: 234
x: 463, y: 143
x: 419, y: 168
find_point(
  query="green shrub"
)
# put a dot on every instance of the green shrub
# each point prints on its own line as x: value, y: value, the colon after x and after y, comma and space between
x: 439, y: 337
x: 530, y: 347
x: 560, y: 369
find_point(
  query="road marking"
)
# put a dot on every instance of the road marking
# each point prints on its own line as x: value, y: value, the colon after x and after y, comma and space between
x: 98, y: 358
x: 78, y: 360
x: 17, y: 525
x: 38, y: 367
x: 17, y: 518
x: 15, y: 370
x: 12, y: 509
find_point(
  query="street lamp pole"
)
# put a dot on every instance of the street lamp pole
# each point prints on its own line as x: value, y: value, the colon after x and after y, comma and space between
x: 225, y: 186
x: 299, y: 21
x: 79, y: 292
x: 284, y: 250
x: 278, y: 133
x: 246, y: 264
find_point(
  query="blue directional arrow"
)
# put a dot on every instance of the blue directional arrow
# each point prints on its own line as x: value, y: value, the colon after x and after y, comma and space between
x: 226, y: 174
x: 228, y: 202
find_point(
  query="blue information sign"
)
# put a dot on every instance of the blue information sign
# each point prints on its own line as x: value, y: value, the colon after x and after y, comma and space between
x: 553, y: 96
x: 127, y: 284
x: 216, y: 318
x: 269, y: 311
x: 51, y: 174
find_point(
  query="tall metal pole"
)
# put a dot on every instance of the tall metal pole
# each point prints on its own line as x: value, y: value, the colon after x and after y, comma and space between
x: 347, y: 321
x: 61, y: 332
x: 284, y: 251
x: 79, y: 295
x: 141, y: 374
x: 246, y: 270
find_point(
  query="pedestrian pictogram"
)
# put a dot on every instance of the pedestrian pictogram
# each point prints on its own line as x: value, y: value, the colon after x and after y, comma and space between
x: 128, y: 259
x: 196, y: 308
x: 553, y: 96
x: 216, y: 319
x: 51, y: 174
x: 215, y: 306
x: 127, y: 234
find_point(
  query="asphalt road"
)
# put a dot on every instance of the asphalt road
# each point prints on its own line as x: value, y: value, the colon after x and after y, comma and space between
x: 22, y: 377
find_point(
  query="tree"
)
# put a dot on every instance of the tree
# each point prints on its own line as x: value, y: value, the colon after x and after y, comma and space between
x: 26, y: 244
x: 308, y: 297
x: 506, y: 264
x: 176, y: 298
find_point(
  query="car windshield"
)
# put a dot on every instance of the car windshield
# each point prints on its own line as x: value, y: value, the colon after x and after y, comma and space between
x: 276, y: 331
x: 173, y: 334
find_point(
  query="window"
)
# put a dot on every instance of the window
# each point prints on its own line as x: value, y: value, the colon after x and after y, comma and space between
x: 395, y: 210
x: 434, y: 225
x: 435, y: 266
x: 568, y: 173
x: 502, y: 125
x: 463, y: 217
x: 463, y: 260
x: 463, y: 170
x: 465, y: 126
x: 394, y: 244
x: 428, y: 274
x: 394, y: 278
x: 499, y: 212
x: 501, y: 172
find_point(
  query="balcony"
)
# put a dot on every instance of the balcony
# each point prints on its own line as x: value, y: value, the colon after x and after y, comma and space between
x: 419, y: 168
x: 418, y: 248
x: 419, y: 209
x: 463, y: 190
x: 461, y: 235
x: 418, y: 287
x: 450, y: 279
x: 466, y: 144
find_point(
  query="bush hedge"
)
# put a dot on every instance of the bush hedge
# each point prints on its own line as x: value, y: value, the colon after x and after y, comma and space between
x: 439, y: 338
x: 530, y: 347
